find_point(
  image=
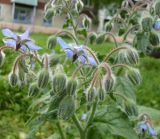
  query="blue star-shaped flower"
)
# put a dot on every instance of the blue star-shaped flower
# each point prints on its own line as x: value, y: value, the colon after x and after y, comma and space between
x: 156, y: 25
x: 22, y: 41
x: 75, y: 52
x: 145, y: 126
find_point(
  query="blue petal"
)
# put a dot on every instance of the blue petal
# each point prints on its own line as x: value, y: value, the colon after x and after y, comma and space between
x: 32, y: 46
x: 25, y: 35
x: 24, y: 48
x: 157, y: 25
x: 69, y: 53
x: 62, y: 43
x: 11, y: 43
x: 9, y: 33
x: 143, y: 126
x: 92, y: 61
x: 82, y: 59
x: 152, y: 131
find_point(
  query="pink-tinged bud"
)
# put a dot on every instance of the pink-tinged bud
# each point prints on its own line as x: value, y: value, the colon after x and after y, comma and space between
x: 109, y: 82
x: 66, y: 108
x: 13, y: 79
x: 43, y: 78
x: 2, y: 58
x: 134, y: 76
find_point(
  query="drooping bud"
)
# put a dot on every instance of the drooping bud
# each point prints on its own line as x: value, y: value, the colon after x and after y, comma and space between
x: 13, y: 79
x: 66, y: 108
x: 100, y: 38
x: 92, y: 37
x: 53, y: 60
x: 90, y: 94
x: 128, y: 56
x: 154, y: 39
x: 51, y: 42
x: 43, y: 78
x: 33, y: 90
x: 59, y: 83
x: 79, y: 6
x: 101, y: 94
x: 86, y: 22
x: 2, y: 58
x: 71, y: 87
x: 157, y: 8
x: 109, y: 82
x: 108, y: 27
x: 21, y: 74
x: 147, y: 24
x: 134, y: 76
x: 49, y: 14
x: 130, y: 108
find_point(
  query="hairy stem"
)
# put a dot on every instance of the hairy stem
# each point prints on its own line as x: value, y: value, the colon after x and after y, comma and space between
x: 60, y: 130
x: 79, y: 126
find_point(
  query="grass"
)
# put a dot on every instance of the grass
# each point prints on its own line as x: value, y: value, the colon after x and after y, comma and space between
x: 13, y: 102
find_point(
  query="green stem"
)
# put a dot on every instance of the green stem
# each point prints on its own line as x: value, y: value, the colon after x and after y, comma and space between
x: 79, y: 126
x: 60, y: 130
x: 90, y: 119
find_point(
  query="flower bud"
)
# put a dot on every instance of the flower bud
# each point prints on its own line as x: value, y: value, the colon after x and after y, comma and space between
x: 157, y: 8
x: 51, y: 42
x: 49, y: 14
x: 92, y: 37
x: 108, y: 27
x: 43, y: 78
x: 147, y: 24
x: 66, y: 108
x: 130, y: 108
x: 71, y: 87
x: 53, y: 60
x: 154, y: 39
x: 33, y: 90
x: 59, y: 83
x: 13, y: 79
x: 79, y: 6
x: 101, y: 94
x: 21, y: 74
x: 109, y: 82
x: 100, y: 38
x: 86, y: 22
x: 91, y: 94
x: 2, y: 58
x: 128, y: 56
x: 134, y: 76
x: 124, y: 14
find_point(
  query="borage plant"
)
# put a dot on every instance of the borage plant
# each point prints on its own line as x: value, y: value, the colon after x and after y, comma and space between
x: 78, y: 89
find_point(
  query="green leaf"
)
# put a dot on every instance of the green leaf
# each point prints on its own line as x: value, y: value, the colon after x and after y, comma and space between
x: 141, y: 41
x: 155, y: 114
x: 112, y: 120
x: 125, y: 87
